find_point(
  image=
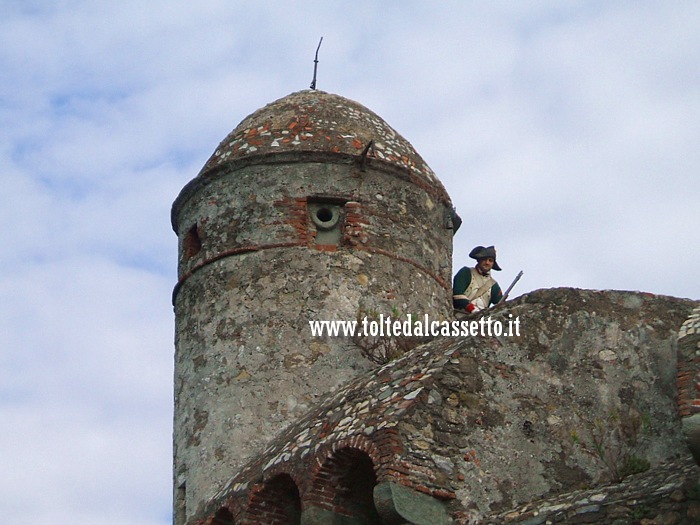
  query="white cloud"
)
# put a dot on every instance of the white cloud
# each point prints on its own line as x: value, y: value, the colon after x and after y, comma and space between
x: 86, y: 390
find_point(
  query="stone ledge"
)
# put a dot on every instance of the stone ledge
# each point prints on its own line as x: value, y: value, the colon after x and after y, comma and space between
x: 670, y: 487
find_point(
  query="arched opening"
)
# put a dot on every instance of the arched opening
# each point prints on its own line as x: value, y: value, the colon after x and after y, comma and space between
x: 349, y: 479
x: 278, y: 503
x: 192, y: 243
x: 223, y: 516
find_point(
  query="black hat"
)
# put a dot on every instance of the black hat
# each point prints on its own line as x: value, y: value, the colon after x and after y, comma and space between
x: 480, y: 252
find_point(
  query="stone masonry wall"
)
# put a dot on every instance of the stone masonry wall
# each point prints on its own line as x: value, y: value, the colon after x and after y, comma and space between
x: 689, y: 380
x: 584, y: 396
x: 266, y: 205
x: 668, y: 494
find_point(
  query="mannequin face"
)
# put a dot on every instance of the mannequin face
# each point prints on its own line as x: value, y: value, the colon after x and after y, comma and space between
x: 485, y: 264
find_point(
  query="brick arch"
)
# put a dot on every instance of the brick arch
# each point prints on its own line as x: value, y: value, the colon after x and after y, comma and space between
x: 274, y: 502
x: 382, y: 448
x: 344, y: 484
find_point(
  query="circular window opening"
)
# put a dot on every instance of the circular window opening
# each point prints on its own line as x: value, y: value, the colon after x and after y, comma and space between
x: 324, y: 215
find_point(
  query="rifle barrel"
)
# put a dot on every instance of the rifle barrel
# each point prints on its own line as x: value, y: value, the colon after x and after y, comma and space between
x: 517, y: 278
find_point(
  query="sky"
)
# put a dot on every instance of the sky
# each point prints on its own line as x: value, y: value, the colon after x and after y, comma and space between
x: 566, y: 133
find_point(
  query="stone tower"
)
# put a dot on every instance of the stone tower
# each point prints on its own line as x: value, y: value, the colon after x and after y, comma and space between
x: 313, y: 208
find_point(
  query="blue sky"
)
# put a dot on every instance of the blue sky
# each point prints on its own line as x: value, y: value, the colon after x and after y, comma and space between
x: 566, y: 133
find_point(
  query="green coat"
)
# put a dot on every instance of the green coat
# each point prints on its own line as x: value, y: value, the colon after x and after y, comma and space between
x: 461, y: 283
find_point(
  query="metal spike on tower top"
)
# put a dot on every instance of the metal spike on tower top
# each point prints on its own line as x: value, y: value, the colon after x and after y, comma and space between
x: 313, y: 82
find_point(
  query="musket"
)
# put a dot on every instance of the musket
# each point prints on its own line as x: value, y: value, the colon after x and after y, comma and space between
x: 313, y: 82
x: 505, y: 295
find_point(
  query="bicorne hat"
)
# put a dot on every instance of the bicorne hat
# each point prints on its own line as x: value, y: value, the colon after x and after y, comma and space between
x: 480, y: 252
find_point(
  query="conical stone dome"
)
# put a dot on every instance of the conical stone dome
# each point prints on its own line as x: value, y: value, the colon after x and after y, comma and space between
x: 315, y: 121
